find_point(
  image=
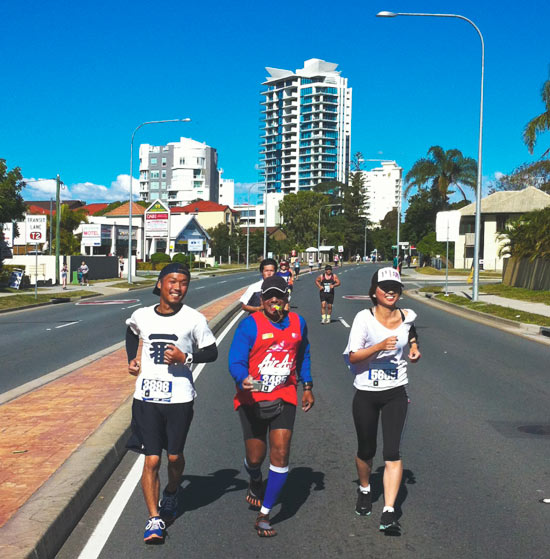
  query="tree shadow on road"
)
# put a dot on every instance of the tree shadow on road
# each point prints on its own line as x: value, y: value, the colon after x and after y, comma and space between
x: 200, y: 491
x: 297, y: 490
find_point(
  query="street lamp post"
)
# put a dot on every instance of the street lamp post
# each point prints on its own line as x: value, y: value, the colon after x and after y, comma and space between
x: 477, y: 234
x: 131, y: 180
x: 365, y: 244
x: 248, y: 226
x: 319, y: 227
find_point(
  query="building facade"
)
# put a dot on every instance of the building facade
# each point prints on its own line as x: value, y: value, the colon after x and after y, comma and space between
x: 383, y: 190
x: 226, y: 192
x: 178, y: 173
x: 306, y: 131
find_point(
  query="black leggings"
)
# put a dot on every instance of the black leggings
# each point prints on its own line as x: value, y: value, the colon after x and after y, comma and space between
x: 367, y: 407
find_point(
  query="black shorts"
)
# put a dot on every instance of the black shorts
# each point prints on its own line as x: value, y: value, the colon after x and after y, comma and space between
x: 157, y: 426
x: 254, y: 428
x: 328, y: 297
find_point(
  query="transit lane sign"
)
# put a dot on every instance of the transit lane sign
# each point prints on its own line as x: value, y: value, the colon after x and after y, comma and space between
x: 35, y: 229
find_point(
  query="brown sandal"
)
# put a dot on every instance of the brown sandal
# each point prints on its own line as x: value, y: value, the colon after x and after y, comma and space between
x: 263, y: 526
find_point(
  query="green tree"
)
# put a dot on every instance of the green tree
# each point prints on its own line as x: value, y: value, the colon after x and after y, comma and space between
x: 443, y: 170
x: 69, y: 220
x: 528, y: 236
x: 300, y: 214
x: 540, y: 123
x: 12, y: 207
x: 220, y: 240
x: 428, y: 246
x: 535, y: 174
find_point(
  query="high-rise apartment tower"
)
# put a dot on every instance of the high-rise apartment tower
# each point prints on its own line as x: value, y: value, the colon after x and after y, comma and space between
x: 306, y: 129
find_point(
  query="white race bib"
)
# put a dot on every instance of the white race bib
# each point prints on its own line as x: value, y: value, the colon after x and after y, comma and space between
x: 153, y: 390
x: 272, y: 377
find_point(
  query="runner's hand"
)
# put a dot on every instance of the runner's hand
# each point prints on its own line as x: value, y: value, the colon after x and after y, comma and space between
x: 133, y: 367
x: 389, y: 343
x: 173, y: 355
x: 414, y: 354
x: 307, y: 400
x: 247, y: 384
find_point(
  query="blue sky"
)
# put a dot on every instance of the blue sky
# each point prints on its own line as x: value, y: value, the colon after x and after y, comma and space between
x: 78, y: 77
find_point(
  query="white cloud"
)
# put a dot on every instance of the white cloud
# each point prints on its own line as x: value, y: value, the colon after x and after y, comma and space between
x: 40, y: 189
x: 498, y: 175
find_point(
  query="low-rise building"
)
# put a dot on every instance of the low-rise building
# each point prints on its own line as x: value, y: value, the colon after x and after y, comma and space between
x: 497, y: 210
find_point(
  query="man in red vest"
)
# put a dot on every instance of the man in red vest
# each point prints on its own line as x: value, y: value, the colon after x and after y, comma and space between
x: 268, y: 355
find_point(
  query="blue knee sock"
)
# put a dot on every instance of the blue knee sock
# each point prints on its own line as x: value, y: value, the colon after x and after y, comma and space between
x: 275, y: 482
x: 254, y: 473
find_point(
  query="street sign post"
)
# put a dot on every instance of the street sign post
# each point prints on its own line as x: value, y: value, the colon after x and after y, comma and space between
x: 447, y: 226
x: 35, y: 232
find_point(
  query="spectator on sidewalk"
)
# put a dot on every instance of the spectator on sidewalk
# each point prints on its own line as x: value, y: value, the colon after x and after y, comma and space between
x: 64, y: 273
x: 84, y: 270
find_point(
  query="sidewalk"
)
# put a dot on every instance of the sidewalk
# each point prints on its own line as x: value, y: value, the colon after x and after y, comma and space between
x: 61, y: 441
x: 466, y: 291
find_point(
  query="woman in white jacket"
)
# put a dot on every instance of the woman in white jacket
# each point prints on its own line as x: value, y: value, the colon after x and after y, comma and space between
x: 374, y: 354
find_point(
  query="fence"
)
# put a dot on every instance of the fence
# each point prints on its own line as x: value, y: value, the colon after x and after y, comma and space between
x: 531, y: 274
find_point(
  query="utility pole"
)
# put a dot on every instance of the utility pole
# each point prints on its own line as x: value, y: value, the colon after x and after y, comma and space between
x: 57, y: 222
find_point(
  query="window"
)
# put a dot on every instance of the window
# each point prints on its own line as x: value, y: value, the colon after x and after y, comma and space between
x: 163, y: 173
x: 154, y: 174
x: 163, y: 184
x: 197, y: 184
x: 164, y: 161
x: 153, y: 160
x: 154, y: 186
x: 502, y: 220
x: 200, y: 161
x: 182, y: 160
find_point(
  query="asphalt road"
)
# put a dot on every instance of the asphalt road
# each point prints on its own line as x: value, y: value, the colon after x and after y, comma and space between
x: 473, y: 472
x: 38, y: 341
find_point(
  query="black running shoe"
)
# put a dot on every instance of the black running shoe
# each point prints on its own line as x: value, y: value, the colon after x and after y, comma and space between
x: 388, y: 520
x: 255, y: 493
x: 364, y: 503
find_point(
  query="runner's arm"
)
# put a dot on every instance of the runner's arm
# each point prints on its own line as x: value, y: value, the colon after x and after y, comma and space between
x: 318, y: 282
x: 242, y: 343
x: 206, y: 354
x: 303, y: 358
x: 132, y: 344
x: 336, y: 280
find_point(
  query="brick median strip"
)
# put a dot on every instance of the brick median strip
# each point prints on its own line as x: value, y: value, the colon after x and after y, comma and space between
x: 44, y: 428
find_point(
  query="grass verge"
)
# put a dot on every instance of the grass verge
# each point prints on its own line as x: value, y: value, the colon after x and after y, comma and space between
x: 429, y: 271
x: 519, y: 293
x: 496, y: 310
x: 431, y: 289
x: 136, y: 285
x: 27, y: 299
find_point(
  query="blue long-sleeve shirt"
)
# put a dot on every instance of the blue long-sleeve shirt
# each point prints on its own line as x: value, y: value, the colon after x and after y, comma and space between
x: 245, y: 338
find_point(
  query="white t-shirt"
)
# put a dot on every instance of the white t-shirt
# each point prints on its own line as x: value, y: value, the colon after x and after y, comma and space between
x: 254, y: 288
x: 187, y: 329
x: 385, y: 369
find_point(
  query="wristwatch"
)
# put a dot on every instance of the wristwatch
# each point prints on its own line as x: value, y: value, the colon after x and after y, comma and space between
x: 189, y: 359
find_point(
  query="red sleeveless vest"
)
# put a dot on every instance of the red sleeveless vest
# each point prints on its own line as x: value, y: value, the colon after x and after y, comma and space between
x: 272, y: 359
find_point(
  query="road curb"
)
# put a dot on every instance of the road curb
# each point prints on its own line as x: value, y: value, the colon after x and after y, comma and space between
x: 532, y: 331
x: 41, y: 526
x: 69, y: 299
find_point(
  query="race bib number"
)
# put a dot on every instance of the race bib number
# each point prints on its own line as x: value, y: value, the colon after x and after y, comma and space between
x: 153, y: 390
x: 327, y: 287
x: 271, y: 378
x: 383, y: 372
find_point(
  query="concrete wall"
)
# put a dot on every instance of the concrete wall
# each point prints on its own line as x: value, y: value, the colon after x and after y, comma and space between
x: 100, y: 266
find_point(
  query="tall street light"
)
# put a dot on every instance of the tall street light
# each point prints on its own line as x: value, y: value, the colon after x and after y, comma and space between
x: 477, y: 234
x: 131, y: 180
x: 319, y: 227
x: 248, y: 225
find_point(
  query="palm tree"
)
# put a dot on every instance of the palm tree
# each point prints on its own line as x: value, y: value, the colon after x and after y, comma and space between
x: 540, y: 123
x: 443, y: 169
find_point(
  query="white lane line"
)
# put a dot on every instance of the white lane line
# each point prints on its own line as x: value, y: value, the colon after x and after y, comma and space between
x: 343, y: 322
x: 68, y: 324
x: 132, y: 306
x: 200, y: 287
x: 48, y: 329
x: 105, y: 526
x: 224, y: 281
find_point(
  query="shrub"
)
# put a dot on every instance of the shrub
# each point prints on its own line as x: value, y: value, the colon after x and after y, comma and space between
x: 180, y: 257
x: 160, y: 257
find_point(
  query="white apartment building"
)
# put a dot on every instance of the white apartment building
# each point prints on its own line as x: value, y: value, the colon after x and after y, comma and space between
x: 254, y: 215
x: 178, y: 173
x: 306, y: 129
x: 383, y: 190
x: 227, y: 191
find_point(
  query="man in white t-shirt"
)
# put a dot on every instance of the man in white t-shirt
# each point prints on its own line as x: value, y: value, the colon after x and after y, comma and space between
x: 251, y: 297
x: 173, y: 336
